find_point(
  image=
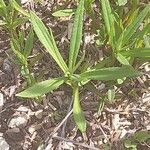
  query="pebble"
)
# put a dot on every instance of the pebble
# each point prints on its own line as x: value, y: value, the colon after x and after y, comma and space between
x: 3, y: 144
x: 18, y: 121
x: 39, y: 114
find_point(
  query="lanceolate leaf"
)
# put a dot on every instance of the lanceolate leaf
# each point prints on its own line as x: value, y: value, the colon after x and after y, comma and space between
x: 112, y: 73
x: 64, y: 12
x: 77, y: 111
x: 122, y: 59
x: 137, y: 52
x: 130, y: 30
x: 108, y: 18
x: 41, y: 88
x: 107, y: 14
x: 16, y: 49
x: 76, y: 35
x: 48, y: 41
x: 20, y: 9
x: 29, y: 44
x: 111, y: 94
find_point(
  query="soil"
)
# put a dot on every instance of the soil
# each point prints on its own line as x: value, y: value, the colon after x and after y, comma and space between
x: 40, y: 122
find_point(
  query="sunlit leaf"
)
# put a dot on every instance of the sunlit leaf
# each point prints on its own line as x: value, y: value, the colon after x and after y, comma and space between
x: 48, y: 41
x: 111, y: 94
x: 41, y: 88
x: 76, y: 35
x: 19, y: 8
x: 122, y: 59
x: 108, y: 19
x: 77, y: 111
x: 112, y: 73
x: 64, y: 13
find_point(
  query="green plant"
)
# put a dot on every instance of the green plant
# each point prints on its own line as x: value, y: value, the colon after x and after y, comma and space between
x: 122, y: 38
x: 22, y: 49
x: 10, y: 20
x: 9, y: 16
x: 138, y: 137
x: 70, y: 76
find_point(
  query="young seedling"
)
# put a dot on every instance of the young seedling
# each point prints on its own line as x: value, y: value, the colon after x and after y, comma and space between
x: 9, y: 14
x: 70, y: 76
x: 22, y: 52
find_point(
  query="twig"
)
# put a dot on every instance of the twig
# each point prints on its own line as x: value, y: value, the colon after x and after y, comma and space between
x: 74, y: 142
x: 64, y: 125
x: 105, y: 135
x: 57, y: 128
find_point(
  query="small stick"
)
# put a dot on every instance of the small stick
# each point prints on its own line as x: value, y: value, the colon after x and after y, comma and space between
x: 64, y: 125
x: 74, y: 142
x: 57, y: 128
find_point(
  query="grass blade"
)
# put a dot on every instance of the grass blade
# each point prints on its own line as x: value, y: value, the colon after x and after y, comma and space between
x: 112, y: 73
x: 77, y: 111
x: 41, y: 88
x: 48, y: 41
x: 76, y: 35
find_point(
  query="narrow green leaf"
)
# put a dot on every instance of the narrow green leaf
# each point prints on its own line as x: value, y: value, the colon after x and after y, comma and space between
x: 107, y: 15
x: 48, y: 41
x: 112, y: 73
x: 64, y: 13
x: 137, y: 52
x: 41, y: 88
x: 101, y: 105
x: 122, y: 2
x: 76, y: 35
x: 21, y: 38
x: 16, y: 49
x: 122, y: 59
x: 111, y: 94
x: 29, y: 43
x: 108, y: 19
x: 3, y: 11
x: 19, y: 8
x: 77, y: 111
x: 130, y: 30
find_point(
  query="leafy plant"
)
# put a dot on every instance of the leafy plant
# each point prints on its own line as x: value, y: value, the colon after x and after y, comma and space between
x: 22, y: 49
x: 9, y: 14
x: 71, y: 74
x: 10, y: 20
x: 138, y: 137
x: 122, y: 38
